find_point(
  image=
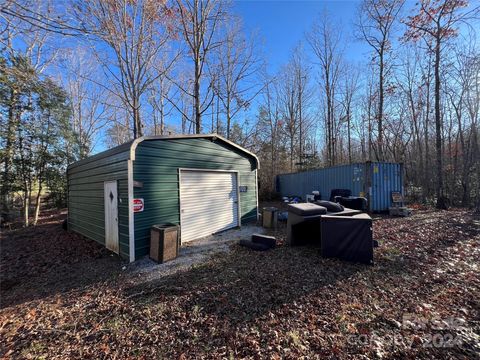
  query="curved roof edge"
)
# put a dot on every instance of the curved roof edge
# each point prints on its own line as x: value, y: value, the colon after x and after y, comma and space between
x: 214, y: 137
x: 132, y: 145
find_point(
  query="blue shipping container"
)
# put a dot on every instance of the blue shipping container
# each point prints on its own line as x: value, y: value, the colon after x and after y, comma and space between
x: 374, y: 180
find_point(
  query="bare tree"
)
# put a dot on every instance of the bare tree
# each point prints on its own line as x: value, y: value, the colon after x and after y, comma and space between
x: 350, y: 87
x: 270, y: 120
x: 47, y: 16
x: 289, y: 108
x: 376, y: 21
x: 91, y: 107
x: 199, y: 24
x: 135, y: 33
x: 436, y: 22
x: 160, y: 93
x: 326, y: 41
x: 237, y: 63
x: 119, y: 128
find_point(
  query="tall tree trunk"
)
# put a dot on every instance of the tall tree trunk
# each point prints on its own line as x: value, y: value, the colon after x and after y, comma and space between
x: 196, y: 96
x: 380, y: 150
x: 426, y: 173
x: 349, y: 137
x: 10, y: 140
x: 291, y: 153
x: 37, y: 202
x: 273, y: 158
x: 228, y: 115
x: 438, y: 129
x: 26, y: 199
x: 137, y: 124
x: 370, y: 140
x: 26, y: 205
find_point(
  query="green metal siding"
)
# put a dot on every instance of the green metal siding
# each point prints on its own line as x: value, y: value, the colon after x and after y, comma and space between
x: 85, y: 195
x: 156, y: 166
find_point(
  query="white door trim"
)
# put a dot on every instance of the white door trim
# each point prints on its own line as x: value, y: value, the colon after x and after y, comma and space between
x: 131, y: 221
x: 236, y: 172
x: 116, y: 247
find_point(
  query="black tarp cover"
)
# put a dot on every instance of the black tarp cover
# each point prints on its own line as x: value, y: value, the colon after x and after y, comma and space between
x: 347, y: 238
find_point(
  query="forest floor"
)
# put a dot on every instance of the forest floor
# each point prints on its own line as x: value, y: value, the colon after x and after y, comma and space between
x: 63, y: 296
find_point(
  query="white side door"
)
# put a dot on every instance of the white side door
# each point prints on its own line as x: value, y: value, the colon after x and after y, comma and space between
x: 111, y: 215
x: 209, y: 202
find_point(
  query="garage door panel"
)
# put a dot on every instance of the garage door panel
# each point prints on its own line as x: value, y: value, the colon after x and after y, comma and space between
x: 209, y: 203
x: 213, y: 194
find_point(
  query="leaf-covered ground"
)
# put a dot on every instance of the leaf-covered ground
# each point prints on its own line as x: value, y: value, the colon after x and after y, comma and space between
x: 65, y: 297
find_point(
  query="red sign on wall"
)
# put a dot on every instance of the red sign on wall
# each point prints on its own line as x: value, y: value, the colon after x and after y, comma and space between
x: 137, y: 205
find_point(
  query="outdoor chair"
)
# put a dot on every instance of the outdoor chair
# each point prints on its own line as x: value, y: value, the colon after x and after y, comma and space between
x: 347, y: 238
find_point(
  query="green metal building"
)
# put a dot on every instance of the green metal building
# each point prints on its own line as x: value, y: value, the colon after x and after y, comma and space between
x: 204, y: 183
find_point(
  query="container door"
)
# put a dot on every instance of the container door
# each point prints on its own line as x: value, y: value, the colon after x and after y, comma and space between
x: 111, y: 215
x: 209, y: 203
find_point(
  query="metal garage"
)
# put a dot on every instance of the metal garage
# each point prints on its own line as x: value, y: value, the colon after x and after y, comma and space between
x: 218, y: 209
x: 204, y: 183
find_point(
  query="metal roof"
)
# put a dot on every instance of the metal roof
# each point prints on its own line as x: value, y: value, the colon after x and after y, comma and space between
x: 132, y: 145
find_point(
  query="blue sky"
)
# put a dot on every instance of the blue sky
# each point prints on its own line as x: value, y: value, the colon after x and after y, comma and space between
x: 282, y: 24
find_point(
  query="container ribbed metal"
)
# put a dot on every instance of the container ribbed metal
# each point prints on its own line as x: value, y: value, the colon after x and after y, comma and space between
x: 374, y: 180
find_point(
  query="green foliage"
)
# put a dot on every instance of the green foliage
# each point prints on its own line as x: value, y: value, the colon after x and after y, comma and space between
x: 36, y: 137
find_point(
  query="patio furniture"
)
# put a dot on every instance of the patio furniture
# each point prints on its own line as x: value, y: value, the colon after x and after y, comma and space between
x: 330, y: 205
x: 353, y: 202
x: 303, y: 223
x: 339, y: 192
x: 347, y: 238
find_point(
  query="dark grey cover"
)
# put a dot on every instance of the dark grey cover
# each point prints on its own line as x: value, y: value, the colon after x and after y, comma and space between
x: 307, y: 232
x: 330, y: 205
x: 357, y: 203
x: 266, y: 240
x: 346, y: 212
x: 307, y: 209
x: 347, y: 238
x: 340, y: 192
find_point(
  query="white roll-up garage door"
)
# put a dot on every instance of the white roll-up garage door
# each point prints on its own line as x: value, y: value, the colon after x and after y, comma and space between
x: 208, y: 202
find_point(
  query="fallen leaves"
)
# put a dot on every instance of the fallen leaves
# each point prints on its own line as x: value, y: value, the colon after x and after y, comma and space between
x: 285, y: 303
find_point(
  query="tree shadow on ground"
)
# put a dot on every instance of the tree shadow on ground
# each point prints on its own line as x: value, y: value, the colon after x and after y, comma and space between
x: 244, y: 284
x: 45, y: 260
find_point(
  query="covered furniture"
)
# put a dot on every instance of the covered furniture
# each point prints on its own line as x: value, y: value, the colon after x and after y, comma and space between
x: 347, y: 238
x: 353, y: 202
x: 303, y: 223
x: 339, y: 192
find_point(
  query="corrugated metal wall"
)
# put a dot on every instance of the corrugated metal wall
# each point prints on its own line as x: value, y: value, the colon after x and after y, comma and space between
x: 324, y: 180
x: 386, y: 177
x: 85, y: 195
x: 383, y: 178
x: 156, y: 166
